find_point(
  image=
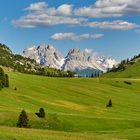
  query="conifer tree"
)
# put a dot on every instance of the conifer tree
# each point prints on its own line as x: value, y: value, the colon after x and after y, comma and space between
x: 23, y: 120
x: 92, y: 75
x: 109, y: 103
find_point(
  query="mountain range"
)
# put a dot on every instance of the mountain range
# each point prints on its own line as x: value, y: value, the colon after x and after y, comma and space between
x: 76, y: 59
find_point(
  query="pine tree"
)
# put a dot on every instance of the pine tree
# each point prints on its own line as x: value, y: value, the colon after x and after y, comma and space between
x: 109, y: 103
x: 92, y: 75
x: 23, y: 120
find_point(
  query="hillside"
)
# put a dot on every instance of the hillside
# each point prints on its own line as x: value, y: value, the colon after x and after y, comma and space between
x: 126, y: 69
x: 22, y: 64
x: 14, y: 61
x: 78, y: 103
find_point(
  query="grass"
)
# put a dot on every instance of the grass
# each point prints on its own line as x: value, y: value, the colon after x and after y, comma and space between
x: 131, y: 71
x: 80, y: 105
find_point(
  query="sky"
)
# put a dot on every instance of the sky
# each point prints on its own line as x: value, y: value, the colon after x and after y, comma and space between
x: 107, y: 27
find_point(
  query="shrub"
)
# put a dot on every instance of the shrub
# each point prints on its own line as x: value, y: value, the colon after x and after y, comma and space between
x: 23, y: 120
x: 41, y: 113
x: 128, y: 83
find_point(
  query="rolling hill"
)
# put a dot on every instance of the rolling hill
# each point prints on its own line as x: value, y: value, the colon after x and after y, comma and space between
x: 127, y: 69
x: 75, y: 108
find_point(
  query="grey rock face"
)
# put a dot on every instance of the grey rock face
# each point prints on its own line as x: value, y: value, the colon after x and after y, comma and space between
x: 75, y: 59
x: 43, y: 55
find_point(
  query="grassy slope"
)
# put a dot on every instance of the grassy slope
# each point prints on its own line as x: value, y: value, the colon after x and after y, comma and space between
x: 131, y: 71
x: 79, y: 103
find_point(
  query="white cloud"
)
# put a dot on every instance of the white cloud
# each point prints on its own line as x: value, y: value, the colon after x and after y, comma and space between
x: 44, y: 20
x: 74, y: 37
x: 114, y: 25
x: 110, y: 8
x: 65, y: 9
x: 40, y: 15
x: 37, y: 6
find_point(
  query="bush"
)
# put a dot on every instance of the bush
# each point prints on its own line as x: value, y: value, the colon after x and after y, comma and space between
x: 23, y: 120
x: 128, y: 83
x: 15, y: 88
x: 41, y: 113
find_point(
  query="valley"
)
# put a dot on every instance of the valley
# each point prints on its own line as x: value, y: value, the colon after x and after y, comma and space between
x: 79, y: 104
x: 70, y: 70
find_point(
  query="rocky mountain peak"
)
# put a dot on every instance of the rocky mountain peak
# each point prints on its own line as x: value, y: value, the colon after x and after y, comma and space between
x: 76, y: 54
x: 76, y: 59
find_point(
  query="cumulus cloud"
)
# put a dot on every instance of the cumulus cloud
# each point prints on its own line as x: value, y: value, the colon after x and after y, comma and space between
x: 74, y: 37
x: 40, y: 15
x: 110, y: 8
x: 65, y: 9
x: 114, y: 25
x: 44, y: 20
x: 36, y: 6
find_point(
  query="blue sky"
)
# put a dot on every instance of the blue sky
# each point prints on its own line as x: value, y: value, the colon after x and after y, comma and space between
x: 111, y: 28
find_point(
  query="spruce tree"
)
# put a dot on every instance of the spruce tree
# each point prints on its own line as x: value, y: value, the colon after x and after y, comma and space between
x: 109, y: 103
x: 23, y: 121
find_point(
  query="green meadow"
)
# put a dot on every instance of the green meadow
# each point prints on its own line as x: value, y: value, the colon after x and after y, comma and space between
x: 131, y: 71
x: 79, y: 104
